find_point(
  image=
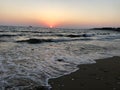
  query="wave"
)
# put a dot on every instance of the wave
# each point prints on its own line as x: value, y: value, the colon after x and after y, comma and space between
x: 38, y: 41
x: 7, y: 35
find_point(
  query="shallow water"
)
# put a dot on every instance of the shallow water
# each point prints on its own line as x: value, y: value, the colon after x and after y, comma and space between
x: 31, y: 56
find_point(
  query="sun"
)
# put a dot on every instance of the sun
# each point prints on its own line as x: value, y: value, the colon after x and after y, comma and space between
x: 51, y: 26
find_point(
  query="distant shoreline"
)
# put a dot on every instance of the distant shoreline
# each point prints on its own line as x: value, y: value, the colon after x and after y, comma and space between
x: 107, y: 28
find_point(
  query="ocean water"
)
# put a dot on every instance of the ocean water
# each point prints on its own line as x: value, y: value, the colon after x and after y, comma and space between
x: 30, y: 56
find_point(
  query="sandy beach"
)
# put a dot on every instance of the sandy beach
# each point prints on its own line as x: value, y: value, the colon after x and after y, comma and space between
x: 103, y: 75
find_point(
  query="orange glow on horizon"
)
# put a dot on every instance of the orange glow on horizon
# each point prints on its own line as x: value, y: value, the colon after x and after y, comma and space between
x: 60, y: 13
x: 51, y: 26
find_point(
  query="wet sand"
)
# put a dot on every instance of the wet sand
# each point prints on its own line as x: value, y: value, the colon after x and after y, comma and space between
x: 103, y: 75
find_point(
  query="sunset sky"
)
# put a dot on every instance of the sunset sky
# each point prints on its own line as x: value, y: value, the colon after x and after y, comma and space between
x: 60, y: 13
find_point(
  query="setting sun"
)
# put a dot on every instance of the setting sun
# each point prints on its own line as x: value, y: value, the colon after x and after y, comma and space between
x: 51, y: 26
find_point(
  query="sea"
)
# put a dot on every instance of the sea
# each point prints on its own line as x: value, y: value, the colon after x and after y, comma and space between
x: 30, y: 56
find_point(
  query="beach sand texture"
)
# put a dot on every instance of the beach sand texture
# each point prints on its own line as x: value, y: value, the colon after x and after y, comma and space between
x: 103, y: 75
